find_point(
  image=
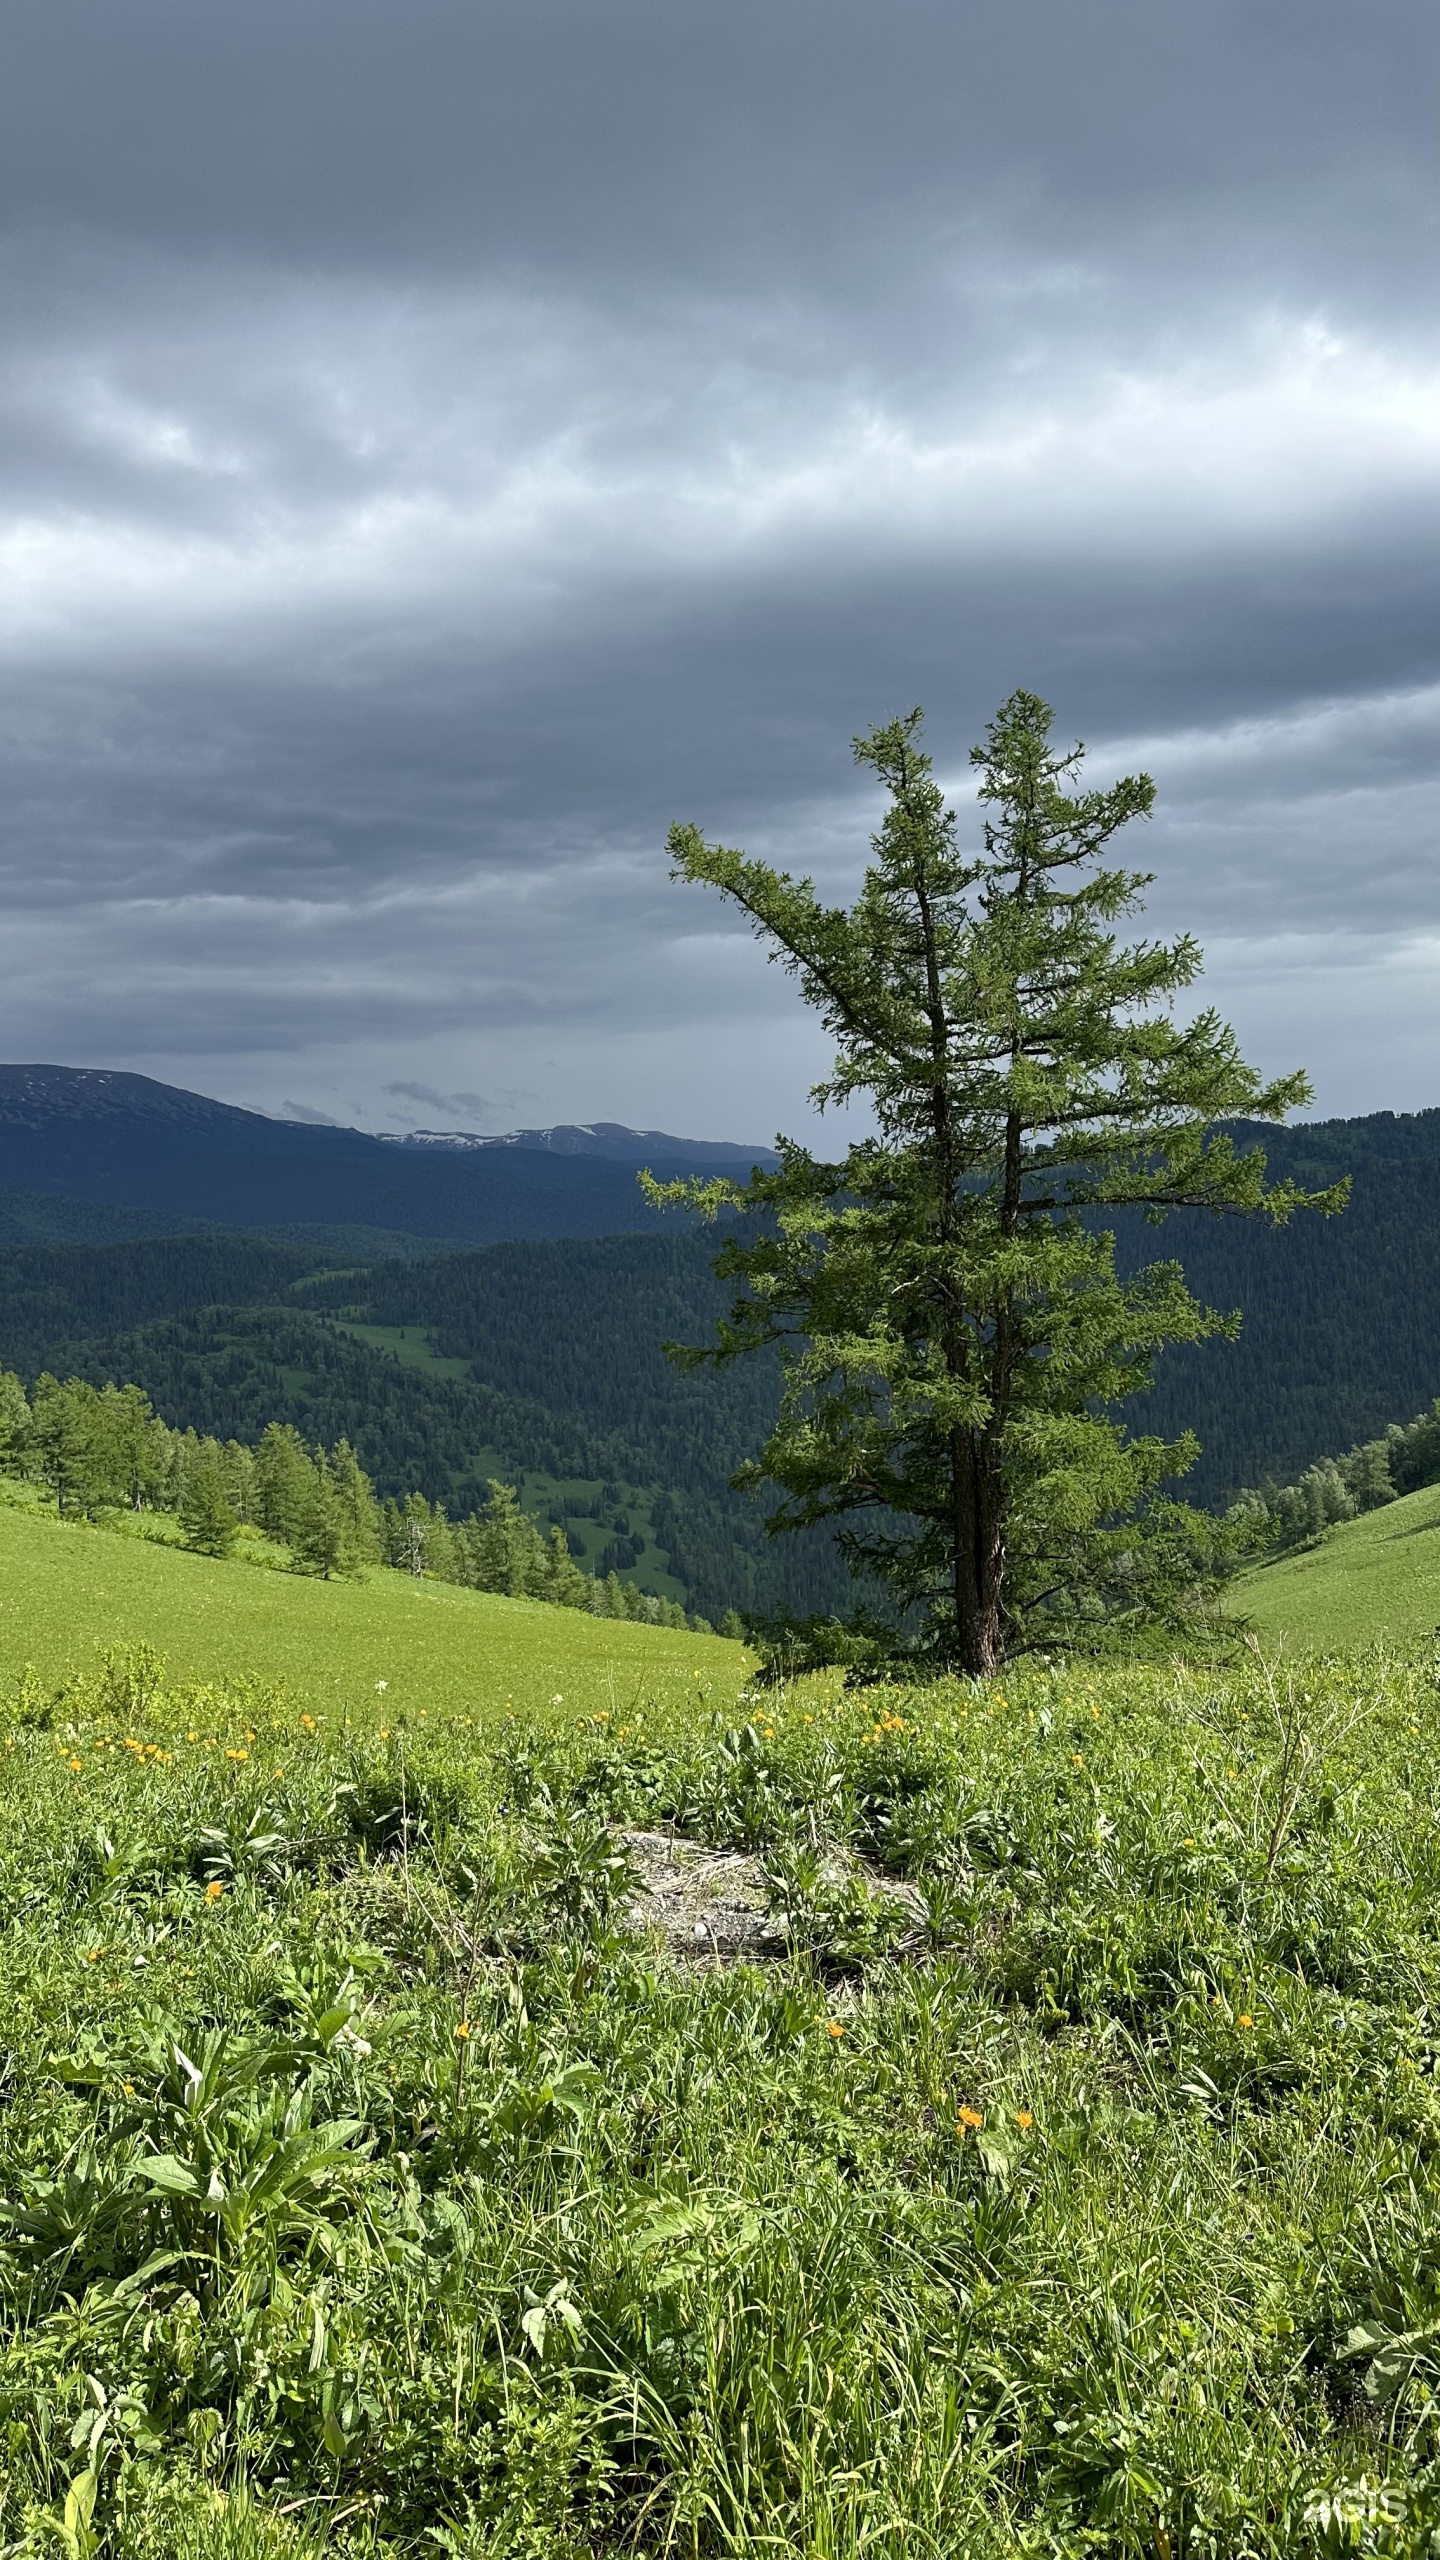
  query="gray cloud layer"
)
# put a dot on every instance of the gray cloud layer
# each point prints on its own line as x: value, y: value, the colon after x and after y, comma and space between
x: 441, y: 444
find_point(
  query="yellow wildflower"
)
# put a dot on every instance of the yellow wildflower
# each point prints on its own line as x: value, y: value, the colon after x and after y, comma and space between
x: 833, y: 2027
x: 1024, y: 2119
x: 970, y: 2120
x: 214, y: 1891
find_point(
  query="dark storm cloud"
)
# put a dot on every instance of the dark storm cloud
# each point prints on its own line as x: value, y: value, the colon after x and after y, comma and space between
x: 674, y: 148
x: 441, y: 444
x: 471, y: 1107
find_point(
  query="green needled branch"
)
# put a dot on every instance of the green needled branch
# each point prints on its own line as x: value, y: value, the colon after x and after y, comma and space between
x: 952, y: 1323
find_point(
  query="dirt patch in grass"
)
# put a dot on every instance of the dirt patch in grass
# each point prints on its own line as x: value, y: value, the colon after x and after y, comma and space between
x: 718, y: 1905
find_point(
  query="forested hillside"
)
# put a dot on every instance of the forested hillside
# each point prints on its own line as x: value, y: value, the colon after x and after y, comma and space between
x: 561, y: 1385
x: 52, y: 1296
x: 543, y: 1360
x: 1341, y: 1330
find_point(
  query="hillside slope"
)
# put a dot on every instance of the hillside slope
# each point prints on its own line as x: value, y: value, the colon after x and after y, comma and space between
x: 1372, y: 1580
x: 542, y: 1359
x: 68, y: 1593
x: 1341, y: 1316
x: 541, y: 1362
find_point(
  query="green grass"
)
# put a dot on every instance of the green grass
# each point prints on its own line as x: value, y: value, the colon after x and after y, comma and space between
x: 1372, y: 1580
x: 411, y: 1346
x: 366, y: 2188
x: 66, y: 1592
x: 362, y: 2184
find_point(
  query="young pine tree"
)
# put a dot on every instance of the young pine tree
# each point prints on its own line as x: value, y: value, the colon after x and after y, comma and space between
x: 320, y: 1538
x: 284, y: 1485
x: 66, y: 1448
x: 508, y: 1552
x: 952, y: 1322
x: 206, y: 1515
x: 560, y: 1580
x: 136, y: 1448
x: 14, y: 1424
x: 356, y: 1496
x: 336, y: 1524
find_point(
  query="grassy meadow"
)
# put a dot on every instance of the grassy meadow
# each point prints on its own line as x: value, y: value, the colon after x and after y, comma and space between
x: 68, y: 1592
x: 368, y: 2185
x: 1371, y: 1580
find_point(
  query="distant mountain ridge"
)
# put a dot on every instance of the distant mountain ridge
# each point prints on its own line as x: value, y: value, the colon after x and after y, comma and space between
x: 541, y: 1357
x: 1341, y: 1332
x: 103, y: 1135
x: 50, y: 1100
x: 42, y: 1097
x: 607, y: 1138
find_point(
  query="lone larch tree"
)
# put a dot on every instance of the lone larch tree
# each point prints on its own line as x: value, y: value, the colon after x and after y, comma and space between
x: 953, y: 1326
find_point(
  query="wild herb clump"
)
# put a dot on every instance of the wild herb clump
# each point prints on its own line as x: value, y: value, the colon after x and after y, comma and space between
x: 370, y: 2176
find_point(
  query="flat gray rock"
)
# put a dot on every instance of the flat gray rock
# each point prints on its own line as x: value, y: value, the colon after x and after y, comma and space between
x: 711, y: 1903
x: 715, y: 1905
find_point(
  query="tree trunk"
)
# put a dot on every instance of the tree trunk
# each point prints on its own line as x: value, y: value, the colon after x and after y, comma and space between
x: 990, y: 1582
x: 977, y: 1558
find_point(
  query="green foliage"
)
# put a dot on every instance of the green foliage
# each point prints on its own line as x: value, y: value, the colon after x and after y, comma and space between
x: 335, y: 1522
x: 1375, y: 1578
x: 506, y: 1549
x: 284, y: 1482
x: 369, y: 2180
x: 580, y: 1872
x: 954, y: 1324
x: 354, y: 1497
x: 540, y: 1362
x: 1333, y: 1489
x: 1341, y: 1314
x: 97, y: 1448
x: 62, y: 1449
x: 209, y: 1523
x: 73, y: 1596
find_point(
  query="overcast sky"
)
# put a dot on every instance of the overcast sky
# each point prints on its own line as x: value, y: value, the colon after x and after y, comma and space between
x: 442, y: 441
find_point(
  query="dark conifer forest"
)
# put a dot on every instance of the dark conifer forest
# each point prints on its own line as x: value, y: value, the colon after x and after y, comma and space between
x: 543, y: 1361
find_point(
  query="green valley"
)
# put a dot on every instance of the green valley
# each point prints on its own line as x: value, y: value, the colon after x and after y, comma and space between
x: 542, y: 1361
x: 542, y: 1364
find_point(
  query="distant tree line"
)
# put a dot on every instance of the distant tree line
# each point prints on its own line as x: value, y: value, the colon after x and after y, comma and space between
x: 228, y: 1370
x: 1272, y: 1517
x: 103, y: 1449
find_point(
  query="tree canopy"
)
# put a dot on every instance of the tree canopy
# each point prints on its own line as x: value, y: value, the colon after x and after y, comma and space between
x: 952, y: 1323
